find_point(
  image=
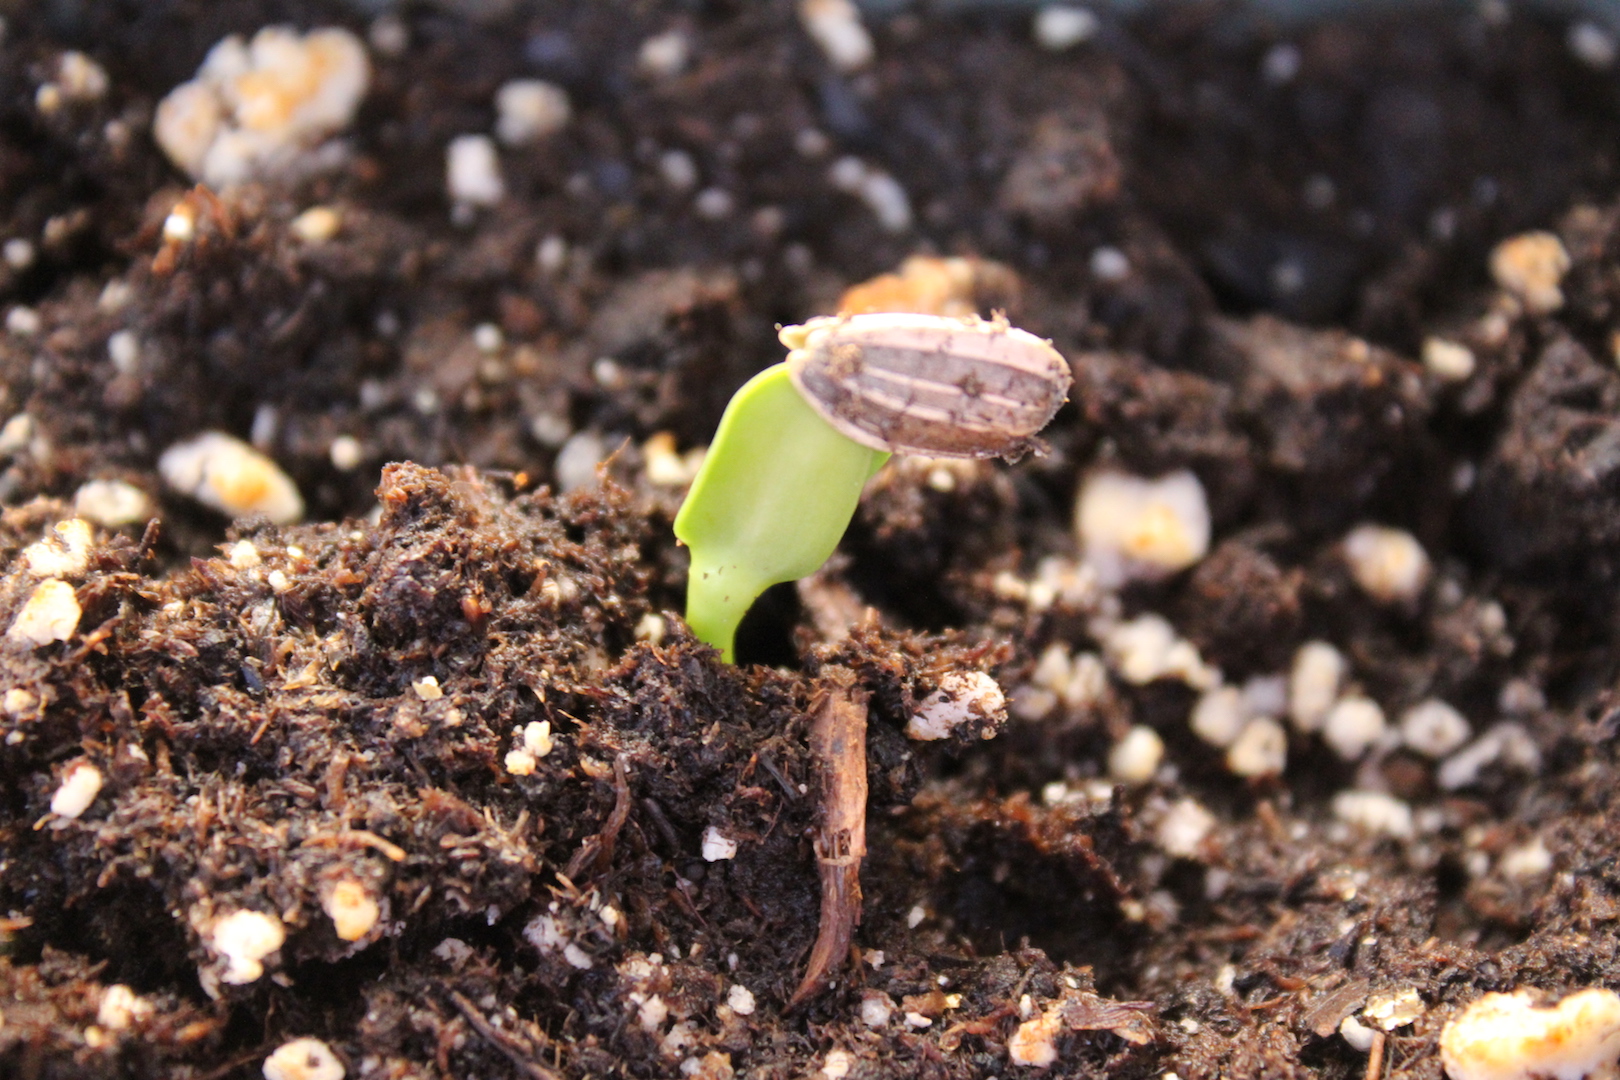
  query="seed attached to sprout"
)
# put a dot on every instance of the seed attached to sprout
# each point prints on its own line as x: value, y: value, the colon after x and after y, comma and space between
x: 925, y: 384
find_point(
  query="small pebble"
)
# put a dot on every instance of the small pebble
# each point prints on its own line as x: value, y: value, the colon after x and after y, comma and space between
x: 714, y: 204
x: 389, y: 35
x: 835, y: 26
x: 228, y: 475
x: 1531, y: 267
x: 1359, y: 1036
x: 51, y: 614
x: 473, y: 171
x: 303, y: 1059
x: 180, y: 227
x: 1058, y: 27
x: 877, y: 1008
x: 1530, y: 860
x: 81, y: 783
x: 1389, y: 564
x: 243, y: 555
x: 528, y: 110
x: 551, y: 254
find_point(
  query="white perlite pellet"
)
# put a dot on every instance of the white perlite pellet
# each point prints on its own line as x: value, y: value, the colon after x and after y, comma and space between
x: 1136, y: 529
x: 528, y: 110
x: 1389, y: 564
x: 1261, y: 749
x: 1447, y: 360
x: 63, y: 552
x: 303, y: 1059
x: 1183, y: 828
x: 1433, y: 728
x: 1374, y: 811
x: 1147, y: 648
x: 717, y: 846
x: 836, y: 27
x: 1058, y: 27
x: 256, y: 109
x: 1531, y: 267
x: 352, y: 909
x: 1313, y: 684
x: 1219, y: 716
x: 81, y: 783
x: 121, y: 1008
x: 1352, y: 726
x: 227, y: 474
x: 1513, y: 1037
x: 244, y: 938
x: 111, y: 504
x: 51, y: 613
x: 962, y: 696
x: 741, y: 1000
x: 472, y: 171
x: 881, y: 193
x: 1136, y: 757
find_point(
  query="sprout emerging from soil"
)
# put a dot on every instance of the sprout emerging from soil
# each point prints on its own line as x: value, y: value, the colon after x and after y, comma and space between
x: 800, y: 439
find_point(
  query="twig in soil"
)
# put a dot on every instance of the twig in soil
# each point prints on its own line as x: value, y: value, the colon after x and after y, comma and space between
x: 838, y: 744
x: 597, y: 851
x: 517, y: 1050
x: 1375, y: 1056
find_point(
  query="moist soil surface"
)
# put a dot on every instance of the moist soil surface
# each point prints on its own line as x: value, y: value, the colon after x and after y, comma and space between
x: 1241, y: 235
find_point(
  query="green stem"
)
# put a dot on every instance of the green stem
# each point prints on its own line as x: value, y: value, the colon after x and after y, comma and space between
x: 776, y: 492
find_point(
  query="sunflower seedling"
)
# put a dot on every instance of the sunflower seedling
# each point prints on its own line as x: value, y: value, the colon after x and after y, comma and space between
x: 800, y: 439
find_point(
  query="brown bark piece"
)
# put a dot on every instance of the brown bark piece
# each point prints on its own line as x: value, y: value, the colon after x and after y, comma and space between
x: 838, y: 743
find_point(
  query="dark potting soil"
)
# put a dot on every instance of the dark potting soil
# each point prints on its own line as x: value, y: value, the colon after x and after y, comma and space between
x: 262, y: 716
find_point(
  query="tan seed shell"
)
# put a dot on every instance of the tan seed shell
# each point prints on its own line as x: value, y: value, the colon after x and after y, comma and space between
x: 928, y: 384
